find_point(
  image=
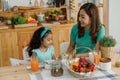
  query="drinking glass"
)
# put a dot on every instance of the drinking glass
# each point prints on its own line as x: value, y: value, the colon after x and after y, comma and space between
x: 64, y: 57
x: 34, y: 64
x: 97, y: 56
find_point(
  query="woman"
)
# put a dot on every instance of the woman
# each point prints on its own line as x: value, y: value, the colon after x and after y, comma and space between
x: 88, y: 30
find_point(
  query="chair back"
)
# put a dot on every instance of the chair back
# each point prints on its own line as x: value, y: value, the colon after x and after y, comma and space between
x: 25, y: 54
x: 63, y: 47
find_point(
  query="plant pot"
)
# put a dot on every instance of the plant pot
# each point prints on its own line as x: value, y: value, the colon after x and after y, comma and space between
x: 106, y: 52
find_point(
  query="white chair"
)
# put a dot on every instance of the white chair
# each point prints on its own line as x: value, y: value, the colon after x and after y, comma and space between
x: 15, y: 62
x: 63, y: 47
x: 25, y: 54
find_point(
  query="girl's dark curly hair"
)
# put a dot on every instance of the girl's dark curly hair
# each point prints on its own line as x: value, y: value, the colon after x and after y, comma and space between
x: 35, y: 42
x: 92, y: 11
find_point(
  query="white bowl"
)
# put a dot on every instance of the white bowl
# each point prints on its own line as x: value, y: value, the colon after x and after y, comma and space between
x: 105, y: 65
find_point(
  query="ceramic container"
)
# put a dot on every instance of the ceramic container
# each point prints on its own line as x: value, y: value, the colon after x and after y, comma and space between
x: 105, y: 64
x: 41, y: 17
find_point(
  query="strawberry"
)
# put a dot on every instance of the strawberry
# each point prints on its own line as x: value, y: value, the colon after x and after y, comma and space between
x: 82, y: 69
x: 75, y: 68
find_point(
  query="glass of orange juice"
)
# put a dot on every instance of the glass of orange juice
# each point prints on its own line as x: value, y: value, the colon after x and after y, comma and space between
x: 34, y: 64
x: 97, y: 56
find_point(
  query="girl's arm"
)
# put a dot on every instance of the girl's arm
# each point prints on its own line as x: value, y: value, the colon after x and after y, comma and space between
x: 34, y: 56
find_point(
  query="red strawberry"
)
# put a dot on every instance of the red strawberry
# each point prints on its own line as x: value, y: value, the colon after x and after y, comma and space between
x: 82, y: 69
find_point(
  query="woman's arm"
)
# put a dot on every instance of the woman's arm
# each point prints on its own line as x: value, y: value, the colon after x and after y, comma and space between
x: 71, y: 47
x: 82, y: 54
x: 87, y: 54
x: 97, y: 46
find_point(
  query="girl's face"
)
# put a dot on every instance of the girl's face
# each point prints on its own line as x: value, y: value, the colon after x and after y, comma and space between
x: 84, y: 19
x: 47, y: 40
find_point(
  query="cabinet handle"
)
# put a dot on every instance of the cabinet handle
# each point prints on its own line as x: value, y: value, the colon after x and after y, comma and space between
x: 63, y: 41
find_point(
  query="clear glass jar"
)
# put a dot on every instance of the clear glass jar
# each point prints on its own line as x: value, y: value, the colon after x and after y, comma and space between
x: 56, y: 69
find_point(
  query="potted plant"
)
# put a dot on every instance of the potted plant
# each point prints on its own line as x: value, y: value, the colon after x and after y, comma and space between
x: 107, y: 44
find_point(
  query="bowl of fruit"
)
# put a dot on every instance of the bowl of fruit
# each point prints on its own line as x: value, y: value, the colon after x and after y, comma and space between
x: 80, y: 67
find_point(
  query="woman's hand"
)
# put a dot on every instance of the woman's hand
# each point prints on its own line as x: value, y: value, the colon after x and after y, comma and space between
x: 56, y: 57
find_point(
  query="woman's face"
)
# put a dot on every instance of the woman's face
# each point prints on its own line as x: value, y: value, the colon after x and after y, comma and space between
x: 47, y: 40
x: 84, y: 19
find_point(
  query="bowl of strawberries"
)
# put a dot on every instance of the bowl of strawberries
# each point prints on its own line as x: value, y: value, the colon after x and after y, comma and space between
x: 80, y: 67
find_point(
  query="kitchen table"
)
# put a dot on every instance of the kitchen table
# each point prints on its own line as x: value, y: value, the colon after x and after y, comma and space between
x: 21, y: 73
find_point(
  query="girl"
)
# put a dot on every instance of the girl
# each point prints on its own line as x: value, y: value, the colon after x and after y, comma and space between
x: 88, y: 30
x: 40, y: 45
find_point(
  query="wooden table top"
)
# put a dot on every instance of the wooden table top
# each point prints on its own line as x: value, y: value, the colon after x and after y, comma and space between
x: 21, y: 73
x: 15, y: 73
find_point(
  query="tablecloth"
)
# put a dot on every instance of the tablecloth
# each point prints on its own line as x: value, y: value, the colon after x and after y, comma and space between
x: 98, y: 75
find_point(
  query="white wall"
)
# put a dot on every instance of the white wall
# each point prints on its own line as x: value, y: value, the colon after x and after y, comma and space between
x: 114, y: 21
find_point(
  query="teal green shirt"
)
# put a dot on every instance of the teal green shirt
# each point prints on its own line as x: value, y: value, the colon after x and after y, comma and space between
x: 86, y: 40
x: 43, y: 56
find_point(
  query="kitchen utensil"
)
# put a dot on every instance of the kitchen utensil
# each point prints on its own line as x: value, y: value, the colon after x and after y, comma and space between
x: 41, y: 17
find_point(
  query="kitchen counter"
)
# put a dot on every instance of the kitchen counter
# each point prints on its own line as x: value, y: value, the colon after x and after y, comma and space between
x: 53, y: 26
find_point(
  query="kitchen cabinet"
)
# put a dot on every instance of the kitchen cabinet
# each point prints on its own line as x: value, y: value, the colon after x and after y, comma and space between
x: 23, y: 40
x: 8, y: 47
x: 61, y: 34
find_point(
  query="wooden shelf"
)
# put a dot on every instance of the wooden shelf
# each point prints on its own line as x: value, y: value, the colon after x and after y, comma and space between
x: 32, y: 9
x: 29, y: 11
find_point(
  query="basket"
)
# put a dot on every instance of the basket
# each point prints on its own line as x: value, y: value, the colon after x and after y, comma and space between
x: 78, y: 74
x: 81, y: 75
x: 72, y: 54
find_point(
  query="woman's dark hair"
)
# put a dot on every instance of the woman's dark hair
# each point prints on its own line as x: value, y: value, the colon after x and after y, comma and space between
x: 92, y: 11
x: 36, y: 39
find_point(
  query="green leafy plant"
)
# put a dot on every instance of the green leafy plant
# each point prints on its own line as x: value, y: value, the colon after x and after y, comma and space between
x: 107, y: 41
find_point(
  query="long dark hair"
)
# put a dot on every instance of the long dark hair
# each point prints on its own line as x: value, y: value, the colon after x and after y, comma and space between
x: 92, y: 11
x: 35, y: 42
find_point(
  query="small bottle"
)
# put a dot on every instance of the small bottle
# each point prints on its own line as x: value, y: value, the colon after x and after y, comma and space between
x: 41, y: 3
x: 36, y: 3
x: 5, y: 5
x: 30, y: 3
